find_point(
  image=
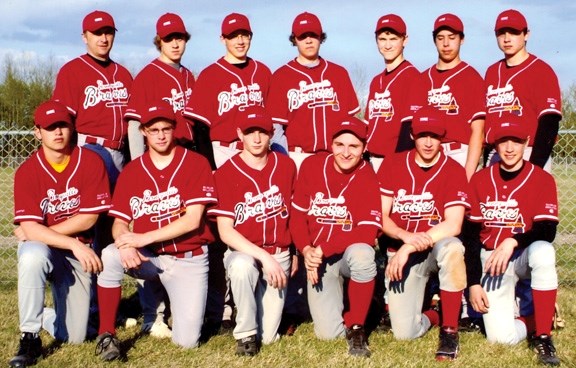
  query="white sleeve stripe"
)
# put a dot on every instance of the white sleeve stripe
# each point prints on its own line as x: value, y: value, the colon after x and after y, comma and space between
x: 378, y: 225
x: 204, y: 200
x: 301, y: 209
x: 28, y: 218
x: 216, y: 212
x: 95, y: 209
x: 546, y: 217
x: 387, y: 192
x: 457, y: 203
x: 121, y: 215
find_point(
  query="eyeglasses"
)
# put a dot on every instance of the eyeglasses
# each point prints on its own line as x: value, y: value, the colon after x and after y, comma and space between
x: 156, y: 131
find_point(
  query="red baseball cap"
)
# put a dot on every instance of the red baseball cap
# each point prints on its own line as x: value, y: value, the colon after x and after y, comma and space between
x: 449, y: 21
x: 254, y: 117
x: 352, y: 125
x: 306, y: 23
x: 392, y: 21
x: 511, y: 19
x: 96, y: 20
x: 169, y: 23
x: 51, y: 112
x: 160, y: 111
x: 509, y: 129
x: 235, y: 22
x: 428, y: 120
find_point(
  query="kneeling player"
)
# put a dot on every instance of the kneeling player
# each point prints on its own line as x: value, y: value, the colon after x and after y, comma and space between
x: 163, y: 195
x: 335, y: 220
x: 513, y: 222
x: 423, y: 205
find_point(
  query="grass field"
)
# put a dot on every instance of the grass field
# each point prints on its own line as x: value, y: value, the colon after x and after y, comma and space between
x: 300, y: 350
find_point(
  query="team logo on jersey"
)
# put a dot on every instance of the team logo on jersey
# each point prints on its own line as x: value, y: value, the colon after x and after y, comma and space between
x: 503, y: 214
x: 442, y: 99
x: 177, y: 99
x: 416, y: 207
x: 501, y: 100
x: 262, y: 206
x: 113, y: 94
x: 331, y: 211
x: 162, y: 206
x: 317, y: 94
x: 61, y: 205
x: 241, y: 96
x: 381, y: 106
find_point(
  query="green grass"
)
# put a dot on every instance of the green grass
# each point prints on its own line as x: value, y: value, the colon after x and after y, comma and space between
x: 300, y: 350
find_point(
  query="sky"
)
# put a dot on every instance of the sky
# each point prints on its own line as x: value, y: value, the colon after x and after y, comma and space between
x: 49, y: 31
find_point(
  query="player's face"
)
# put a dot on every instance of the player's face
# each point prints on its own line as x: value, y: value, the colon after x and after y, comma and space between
x: 237, y: 45
x: 448, y: 45
x: 256, y: 141
x: 391, y: 45
x: 159, y: 136
x: 428, y: 147
x: 511, y: 41
x: 348, y: 150
x: 511, y: 151
x: 308, y: 46
x: 56, y: 137
x: 172, y: 48
x: 100, y: 42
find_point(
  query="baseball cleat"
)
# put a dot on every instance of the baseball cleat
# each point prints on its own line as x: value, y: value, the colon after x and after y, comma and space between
x: 357, y: 341
x: 544, y: 349
x: 248, y: 346
x: 160, y: 330
x: 29, y: 351
x: 448, y: 344
x: 107, y: 347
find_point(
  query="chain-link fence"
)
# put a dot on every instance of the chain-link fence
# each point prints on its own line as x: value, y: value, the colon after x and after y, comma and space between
x: 16, y: 146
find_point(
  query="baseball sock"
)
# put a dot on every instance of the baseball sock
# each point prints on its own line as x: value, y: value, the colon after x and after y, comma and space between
x: 359, y: 296
x: 544, y: 301
x: 451, y: 302
x: 109, y: 300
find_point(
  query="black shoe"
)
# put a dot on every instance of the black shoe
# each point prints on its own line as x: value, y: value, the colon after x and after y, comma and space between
x: 227, y: 327
x: 448, y: 344
x: 107, y: 347
x: 545, y: 350
x: 357, y: 341
x: 247, y: 346
x: 469, y: 324
x: 29, y: 351
x: 384, y: 325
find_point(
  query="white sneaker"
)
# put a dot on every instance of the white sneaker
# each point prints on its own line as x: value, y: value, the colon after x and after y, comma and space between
x: 160, y: 330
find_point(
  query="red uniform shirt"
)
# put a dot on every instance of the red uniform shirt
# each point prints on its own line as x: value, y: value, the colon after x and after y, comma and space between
x: 458, y: 93
x: 152, y: 198
x: 511, y: 207
x: 528, y: 90
x: 221, y: 90
x: 97, y: 96
x: 388, y: 103
x: 257, y: 200
x: 43, y: 195
x: 309, y: 102
x: 159, y: 81
x: 334, y: 210
x: 420, y: 196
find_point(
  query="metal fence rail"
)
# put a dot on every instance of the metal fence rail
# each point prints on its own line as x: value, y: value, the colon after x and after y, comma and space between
x: 17, y: 145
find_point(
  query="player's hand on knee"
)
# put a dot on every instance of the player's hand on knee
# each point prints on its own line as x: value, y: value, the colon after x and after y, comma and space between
x: 87, y: 258
x: 19, y: 233
x: 131, y: 258
x: 396, y: 264
x: 479, y: 299
x: 497, y: 262
x: 312, y: 275
x: 311, y: 259
x: 421, y: 240
x: 132, y: 240
x: 274, y: 273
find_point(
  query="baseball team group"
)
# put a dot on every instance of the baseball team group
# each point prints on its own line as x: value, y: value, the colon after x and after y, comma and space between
x: 241, y: 196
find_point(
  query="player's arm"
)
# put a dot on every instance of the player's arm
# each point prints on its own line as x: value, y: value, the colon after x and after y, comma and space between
x: 451, y: 226
x: 471, y: 235
x: 202, y: 141
x: 190, y: 221
x: 474, y: 147
x: 135, y: 139
x: 235, y: 240
x: 546, y: 132
x: 420, y: 241
x: 130, y: 257
x: 73, y: 225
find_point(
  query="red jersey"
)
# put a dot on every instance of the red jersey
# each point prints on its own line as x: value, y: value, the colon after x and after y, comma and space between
x: 528, y: 90
x: 309, y: 102
x: 153, y: 198
x: 388, y: 103
x: 257, y: 200
x: 334, y: 210
x: 48, y: 197
x: 96, y: 95
x: 420, y: 196
x: 221, y: 90
x: 159, y: 81
x: 458, y: 93
x: 511, y: 207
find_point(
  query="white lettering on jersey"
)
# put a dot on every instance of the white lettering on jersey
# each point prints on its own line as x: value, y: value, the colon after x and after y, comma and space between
x: 499, y: 100
x: 113, y: 92
x: 443, y: 100
x: 263, y: 206
x: 381, y: 106
x: 177, y: 99
x: 503, y: 214
x: 61, y: 203
x: 242, y: 96
x: 164, y: 205
x: 317, y: 94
